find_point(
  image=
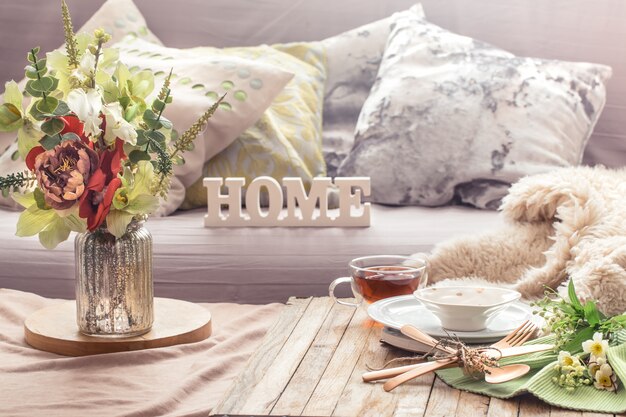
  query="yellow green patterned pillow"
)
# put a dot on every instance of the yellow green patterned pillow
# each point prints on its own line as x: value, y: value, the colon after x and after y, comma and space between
x: 287, y: 140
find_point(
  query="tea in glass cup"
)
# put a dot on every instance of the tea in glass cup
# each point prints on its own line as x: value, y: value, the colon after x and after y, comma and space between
x: 374, y: 278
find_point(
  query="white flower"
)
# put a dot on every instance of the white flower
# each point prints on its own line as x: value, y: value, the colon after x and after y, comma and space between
x: 605, y: 378
x: 566, y: 359
x: 596, y: 346
x: 595, y: 364
x: 87, y: 106
x: 117, y: 126
x: 87, y: 63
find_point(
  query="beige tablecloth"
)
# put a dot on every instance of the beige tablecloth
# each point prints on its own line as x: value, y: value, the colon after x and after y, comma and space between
x: 184, y: 380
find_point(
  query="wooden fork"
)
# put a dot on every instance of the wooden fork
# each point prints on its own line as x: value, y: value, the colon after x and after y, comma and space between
x: 515, y: 338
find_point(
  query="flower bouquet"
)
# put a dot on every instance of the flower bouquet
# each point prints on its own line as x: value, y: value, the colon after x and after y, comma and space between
x: 99, y: 154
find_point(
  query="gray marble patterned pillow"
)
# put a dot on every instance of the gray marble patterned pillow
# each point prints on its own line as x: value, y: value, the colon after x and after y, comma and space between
x: 451, y: 119
x: 353, y: 59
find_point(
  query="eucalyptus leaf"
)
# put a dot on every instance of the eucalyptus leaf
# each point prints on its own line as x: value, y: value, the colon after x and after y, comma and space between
x: 142, y: 139
x: 36, y: 114
x: 10, y: 117
x: 41, y: 63
x: 31, y: 90
x: 70, y: 136
x: 166, y: 123
x: 43, y: 84
x: 32, y: 54
x: 53, y: 126
x: 158, y: 105
x: 137, y: 155
x: 49, y: 142
x: 47, y: 105
x: 151, y: 119
x: 156, y: 136
x: 62, y: 109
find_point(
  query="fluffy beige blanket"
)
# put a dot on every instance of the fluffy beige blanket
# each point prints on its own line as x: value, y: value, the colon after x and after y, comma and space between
x: 566, y: 224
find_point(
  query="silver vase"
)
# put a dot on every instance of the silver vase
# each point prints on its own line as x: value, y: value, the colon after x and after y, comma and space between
x: 114, y: 294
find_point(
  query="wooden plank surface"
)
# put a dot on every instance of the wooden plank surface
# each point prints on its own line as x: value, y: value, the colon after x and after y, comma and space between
x: 311, y: 363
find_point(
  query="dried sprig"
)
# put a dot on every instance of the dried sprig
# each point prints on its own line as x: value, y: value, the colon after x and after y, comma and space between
x: 164, y: 94
x: 185, y: 140
x: 71, y: 45
x: 164, y: 163
x: 17, y: 180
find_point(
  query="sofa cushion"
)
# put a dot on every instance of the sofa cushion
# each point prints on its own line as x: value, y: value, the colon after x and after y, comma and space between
x: 451, y: 118
x: 287, y: 140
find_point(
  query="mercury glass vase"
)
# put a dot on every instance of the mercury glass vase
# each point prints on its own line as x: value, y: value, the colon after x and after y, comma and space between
x: 114, y: 294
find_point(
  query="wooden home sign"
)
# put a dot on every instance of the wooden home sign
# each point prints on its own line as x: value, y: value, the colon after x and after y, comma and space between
x: 301, y: 207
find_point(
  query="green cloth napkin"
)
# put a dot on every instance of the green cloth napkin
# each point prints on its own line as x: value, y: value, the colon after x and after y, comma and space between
x: 539, y: 382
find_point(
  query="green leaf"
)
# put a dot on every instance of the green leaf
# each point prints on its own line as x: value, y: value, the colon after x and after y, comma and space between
x: 137, y: 155
x: 40, y: 199
x: 36, y: 114
x: 30, y: 90
x: 62, y: 109
x: 32, y: 54
x: 49, y: 142
x: 158, y: 106
x: 12, y: 94
x: 151, y: 119
x: 143, y: 204
x: 166, y: 123
x: 591, y: 313
x: 27, y: 138
x: 75, y: 223
x: 32, y: 73
x: 25, y: 200
x: 47, y: 105
x: 571, y: 291
x: 41, y: 63
x: 52, y: 126
x: 43, y: 84
x: 70, y: 136
x: 142, y: 83
x: 156, y: 136
x: 118, y: 221
x: 55, y: 233
x: 142, y: 139
x: 33, y: 220
x: 575, y: 345
x: 10, y: 117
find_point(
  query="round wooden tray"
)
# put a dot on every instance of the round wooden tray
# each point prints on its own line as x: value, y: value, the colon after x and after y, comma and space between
x: 176, y: 322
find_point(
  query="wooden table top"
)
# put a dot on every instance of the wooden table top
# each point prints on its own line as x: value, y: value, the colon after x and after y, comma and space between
x: 311, y: 363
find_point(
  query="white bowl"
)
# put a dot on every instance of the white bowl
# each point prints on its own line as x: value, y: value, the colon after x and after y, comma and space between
x: 465, y: 308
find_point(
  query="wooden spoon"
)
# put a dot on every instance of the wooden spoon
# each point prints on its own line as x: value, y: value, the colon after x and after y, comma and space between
x: 506, y: 373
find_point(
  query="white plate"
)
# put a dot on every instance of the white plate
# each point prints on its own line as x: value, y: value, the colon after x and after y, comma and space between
x: 395, y: 312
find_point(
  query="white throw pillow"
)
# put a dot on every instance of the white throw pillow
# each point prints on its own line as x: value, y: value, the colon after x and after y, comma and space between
x: 352, y: 61
x: 453, y: 119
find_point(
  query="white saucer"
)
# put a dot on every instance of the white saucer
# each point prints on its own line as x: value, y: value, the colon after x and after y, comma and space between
x: 395, y: 312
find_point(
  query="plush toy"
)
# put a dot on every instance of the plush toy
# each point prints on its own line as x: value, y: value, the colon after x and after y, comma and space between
x: 566, y: 224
